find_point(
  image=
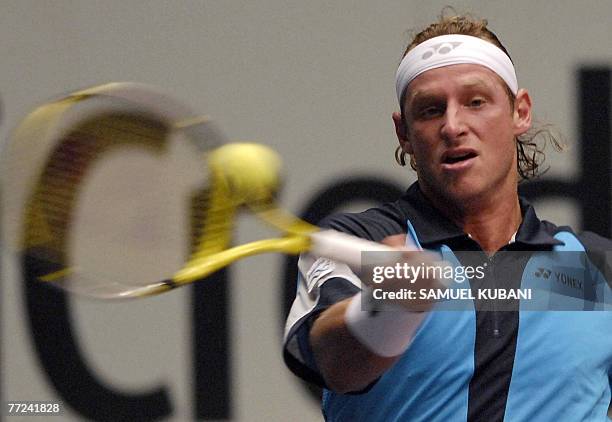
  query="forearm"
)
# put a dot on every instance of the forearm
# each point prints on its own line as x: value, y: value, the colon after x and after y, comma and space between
x: 345, y: 363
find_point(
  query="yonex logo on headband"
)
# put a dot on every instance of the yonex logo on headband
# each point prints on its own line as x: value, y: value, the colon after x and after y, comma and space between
x: 442, y: 48
x: 447, y: 50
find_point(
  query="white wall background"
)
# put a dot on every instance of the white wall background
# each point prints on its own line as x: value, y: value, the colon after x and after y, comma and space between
x: 315, y: 80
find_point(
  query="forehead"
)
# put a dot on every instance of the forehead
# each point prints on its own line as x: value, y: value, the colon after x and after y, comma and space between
x: 454, y: 78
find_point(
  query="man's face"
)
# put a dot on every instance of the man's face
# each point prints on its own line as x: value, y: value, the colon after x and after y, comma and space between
x: 460, y: 127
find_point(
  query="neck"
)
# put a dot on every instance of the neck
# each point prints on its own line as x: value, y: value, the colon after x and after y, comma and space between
x: 493, y: 228
x: 490, y: 221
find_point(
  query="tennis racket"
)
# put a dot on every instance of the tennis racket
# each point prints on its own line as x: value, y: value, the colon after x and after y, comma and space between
x: 119, y: 191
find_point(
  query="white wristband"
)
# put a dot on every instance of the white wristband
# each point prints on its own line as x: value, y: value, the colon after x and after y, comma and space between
x: 385, y: 333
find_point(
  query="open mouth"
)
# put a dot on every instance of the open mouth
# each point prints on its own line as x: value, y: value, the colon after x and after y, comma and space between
x: 457, y: 158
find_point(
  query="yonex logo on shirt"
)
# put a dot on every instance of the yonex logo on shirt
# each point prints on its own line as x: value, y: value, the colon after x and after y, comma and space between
x: 543, y: 272
x: 560, y: 277
x: 568, y: 280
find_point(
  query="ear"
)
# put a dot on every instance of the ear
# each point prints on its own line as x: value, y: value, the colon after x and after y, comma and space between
x: 402, y: 133
x: 522, y: 112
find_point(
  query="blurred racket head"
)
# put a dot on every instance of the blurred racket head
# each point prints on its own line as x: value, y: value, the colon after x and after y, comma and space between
x: 118, y: 191
x: 105, y: 190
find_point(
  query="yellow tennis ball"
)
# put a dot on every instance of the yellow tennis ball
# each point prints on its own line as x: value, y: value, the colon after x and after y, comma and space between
x: 250, y: 172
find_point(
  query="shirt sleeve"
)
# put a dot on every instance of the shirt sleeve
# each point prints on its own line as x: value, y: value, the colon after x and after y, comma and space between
x: 321, y: 283
x: 599, y: 266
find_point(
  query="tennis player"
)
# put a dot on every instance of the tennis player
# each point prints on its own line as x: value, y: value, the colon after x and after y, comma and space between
x: 464, y: 126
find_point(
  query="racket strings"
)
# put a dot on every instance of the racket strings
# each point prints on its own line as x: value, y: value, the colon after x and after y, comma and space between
x: 49, y: 211
x: 215, y: 212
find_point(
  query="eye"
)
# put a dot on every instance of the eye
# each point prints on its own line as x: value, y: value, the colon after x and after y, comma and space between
x: 477, y: 102
x: 430, y: 112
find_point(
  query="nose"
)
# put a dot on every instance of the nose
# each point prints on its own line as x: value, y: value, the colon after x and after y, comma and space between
x: 453, y: 124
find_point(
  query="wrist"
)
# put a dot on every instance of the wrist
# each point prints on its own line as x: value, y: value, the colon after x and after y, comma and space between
x: 386, y: 333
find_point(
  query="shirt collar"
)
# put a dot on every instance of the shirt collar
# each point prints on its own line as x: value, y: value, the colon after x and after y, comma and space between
x: 434, y: 228
x: 532, y: 231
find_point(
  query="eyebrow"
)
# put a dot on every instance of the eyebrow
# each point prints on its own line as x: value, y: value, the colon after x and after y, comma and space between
x: 428, y: 93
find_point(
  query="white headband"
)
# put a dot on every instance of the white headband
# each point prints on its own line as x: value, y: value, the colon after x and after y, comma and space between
x: 447, y: 50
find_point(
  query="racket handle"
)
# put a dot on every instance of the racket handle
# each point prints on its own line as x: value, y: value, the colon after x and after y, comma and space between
x: 346, y: 248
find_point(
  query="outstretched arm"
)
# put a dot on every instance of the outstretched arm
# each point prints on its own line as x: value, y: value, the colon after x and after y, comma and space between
x: 353, y: 347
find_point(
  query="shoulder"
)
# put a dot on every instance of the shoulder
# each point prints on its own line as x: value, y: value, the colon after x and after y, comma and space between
x: 598, y: 249
x: 592, y: 242
x: 373, y: 224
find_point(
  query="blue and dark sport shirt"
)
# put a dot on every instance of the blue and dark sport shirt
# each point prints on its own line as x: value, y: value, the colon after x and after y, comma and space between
x: 476, y: 364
